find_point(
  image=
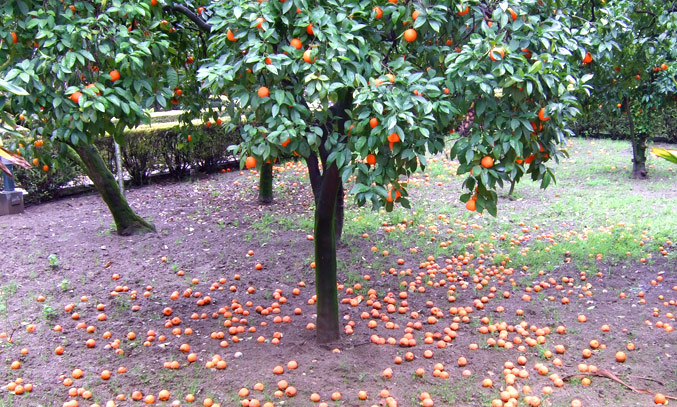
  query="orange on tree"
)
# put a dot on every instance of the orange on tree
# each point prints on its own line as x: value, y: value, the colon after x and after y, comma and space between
x: 307, y: 56
x: 114, y: 75
x: 410, y: 35
x: 75, y: 97
x: 487, y: 162
x: 263, y: 92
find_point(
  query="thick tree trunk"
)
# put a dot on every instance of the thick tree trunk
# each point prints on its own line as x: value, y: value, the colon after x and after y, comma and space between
x: 266, y: 184
x: 316, y: 182
x: 340, y: 213
x: 638, y: 147
x: 325, y: 257
x: 126, y: 221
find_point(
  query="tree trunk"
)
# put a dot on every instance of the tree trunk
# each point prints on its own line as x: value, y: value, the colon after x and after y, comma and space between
x: 638, y: 146
x: 266, y: 184
x: 512, y: 189
x: 340, y: 213
x: 126, y: 221
x: 325, y: 257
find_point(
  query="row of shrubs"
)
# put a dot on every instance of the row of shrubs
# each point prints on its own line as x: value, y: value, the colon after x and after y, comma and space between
x: 162, y: 151
x: 660, y: 126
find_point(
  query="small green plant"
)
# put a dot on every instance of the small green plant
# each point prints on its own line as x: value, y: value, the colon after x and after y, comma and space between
x: 48, y: 312
x: 65, y: 285
x: 53, y: 260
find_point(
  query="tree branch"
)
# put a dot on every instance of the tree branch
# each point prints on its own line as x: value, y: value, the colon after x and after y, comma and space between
x: 191, y: 16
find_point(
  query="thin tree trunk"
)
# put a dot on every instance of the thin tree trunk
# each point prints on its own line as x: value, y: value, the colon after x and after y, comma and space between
x: 266, y: 184
x: 126, y: 221
x: 638, y: 147
x: 512, y: 189
x: 325, y: 257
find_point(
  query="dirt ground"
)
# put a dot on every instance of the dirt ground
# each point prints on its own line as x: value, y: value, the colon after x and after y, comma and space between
x: 154, y: 290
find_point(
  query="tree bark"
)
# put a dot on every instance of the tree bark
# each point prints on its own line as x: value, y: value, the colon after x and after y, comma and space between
x: 638, y: 146
x: 325, y: 257
x: 266, y: 184
x: 126, y: 221
x: 315, y: 182
x: 340, y: 213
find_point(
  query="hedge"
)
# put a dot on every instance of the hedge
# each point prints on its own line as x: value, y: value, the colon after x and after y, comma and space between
x: 662, y: 127
x: 162, y: 149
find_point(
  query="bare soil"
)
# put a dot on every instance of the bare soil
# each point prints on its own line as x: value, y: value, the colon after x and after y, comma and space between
x: 206, y: 229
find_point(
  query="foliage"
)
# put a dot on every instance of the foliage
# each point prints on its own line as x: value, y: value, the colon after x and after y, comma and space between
x: 668, y: 154
x: 418, y: 90
x: 593, y: 123
x: 147, y: 151
x: 634, y: 46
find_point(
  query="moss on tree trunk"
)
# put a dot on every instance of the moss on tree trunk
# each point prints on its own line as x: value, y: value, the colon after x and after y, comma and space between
x: 266, y: 183
x: 126, y: 221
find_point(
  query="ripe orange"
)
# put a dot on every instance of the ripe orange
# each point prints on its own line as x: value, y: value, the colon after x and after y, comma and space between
x: 464, y: 11
x: 378, y: 13
x: 487, y: 162
x: 263, y: 92
x: 259, y: 22
x: 659, y: 398
x: 153, y: 2
x: 286, y: 143
x: 373, y: 122
x: 114, y: 75
x: 415, y: 14
x: 250, y: 162
x: 587, y: 58
x: 15, y: 38
x: 470, y: 205
x: 371, y: 159
x: 664, y: 67
x: 75, y: 97
x: 296, y: 43
x: 512, y: 14
x: 410, y: 35
x: 495, y: 52
x: 542, y: 116
x: 307, y: 56
x: 231, y: 36
x: 45, y: 168
x: 620, y: 357
x: 309, y: 29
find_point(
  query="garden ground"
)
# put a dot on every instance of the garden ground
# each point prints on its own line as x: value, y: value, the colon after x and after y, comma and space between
x: 484, y: 300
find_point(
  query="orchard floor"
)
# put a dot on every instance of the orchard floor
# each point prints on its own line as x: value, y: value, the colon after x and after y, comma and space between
x: 596, y: 244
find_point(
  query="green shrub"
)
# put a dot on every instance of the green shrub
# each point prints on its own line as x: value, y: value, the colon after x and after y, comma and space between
x: 659, y: 125
x: 41, y: 185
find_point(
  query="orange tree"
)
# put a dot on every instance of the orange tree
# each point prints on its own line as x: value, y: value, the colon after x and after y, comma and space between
x: 91, y: 68
x: 363, y: 90
x: 632, y: 61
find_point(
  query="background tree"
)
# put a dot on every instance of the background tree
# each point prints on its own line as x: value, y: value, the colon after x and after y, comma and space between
x: 91, y: 69
x: 7, y: 126
x: 632, y: 54
x: 364, y: 90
